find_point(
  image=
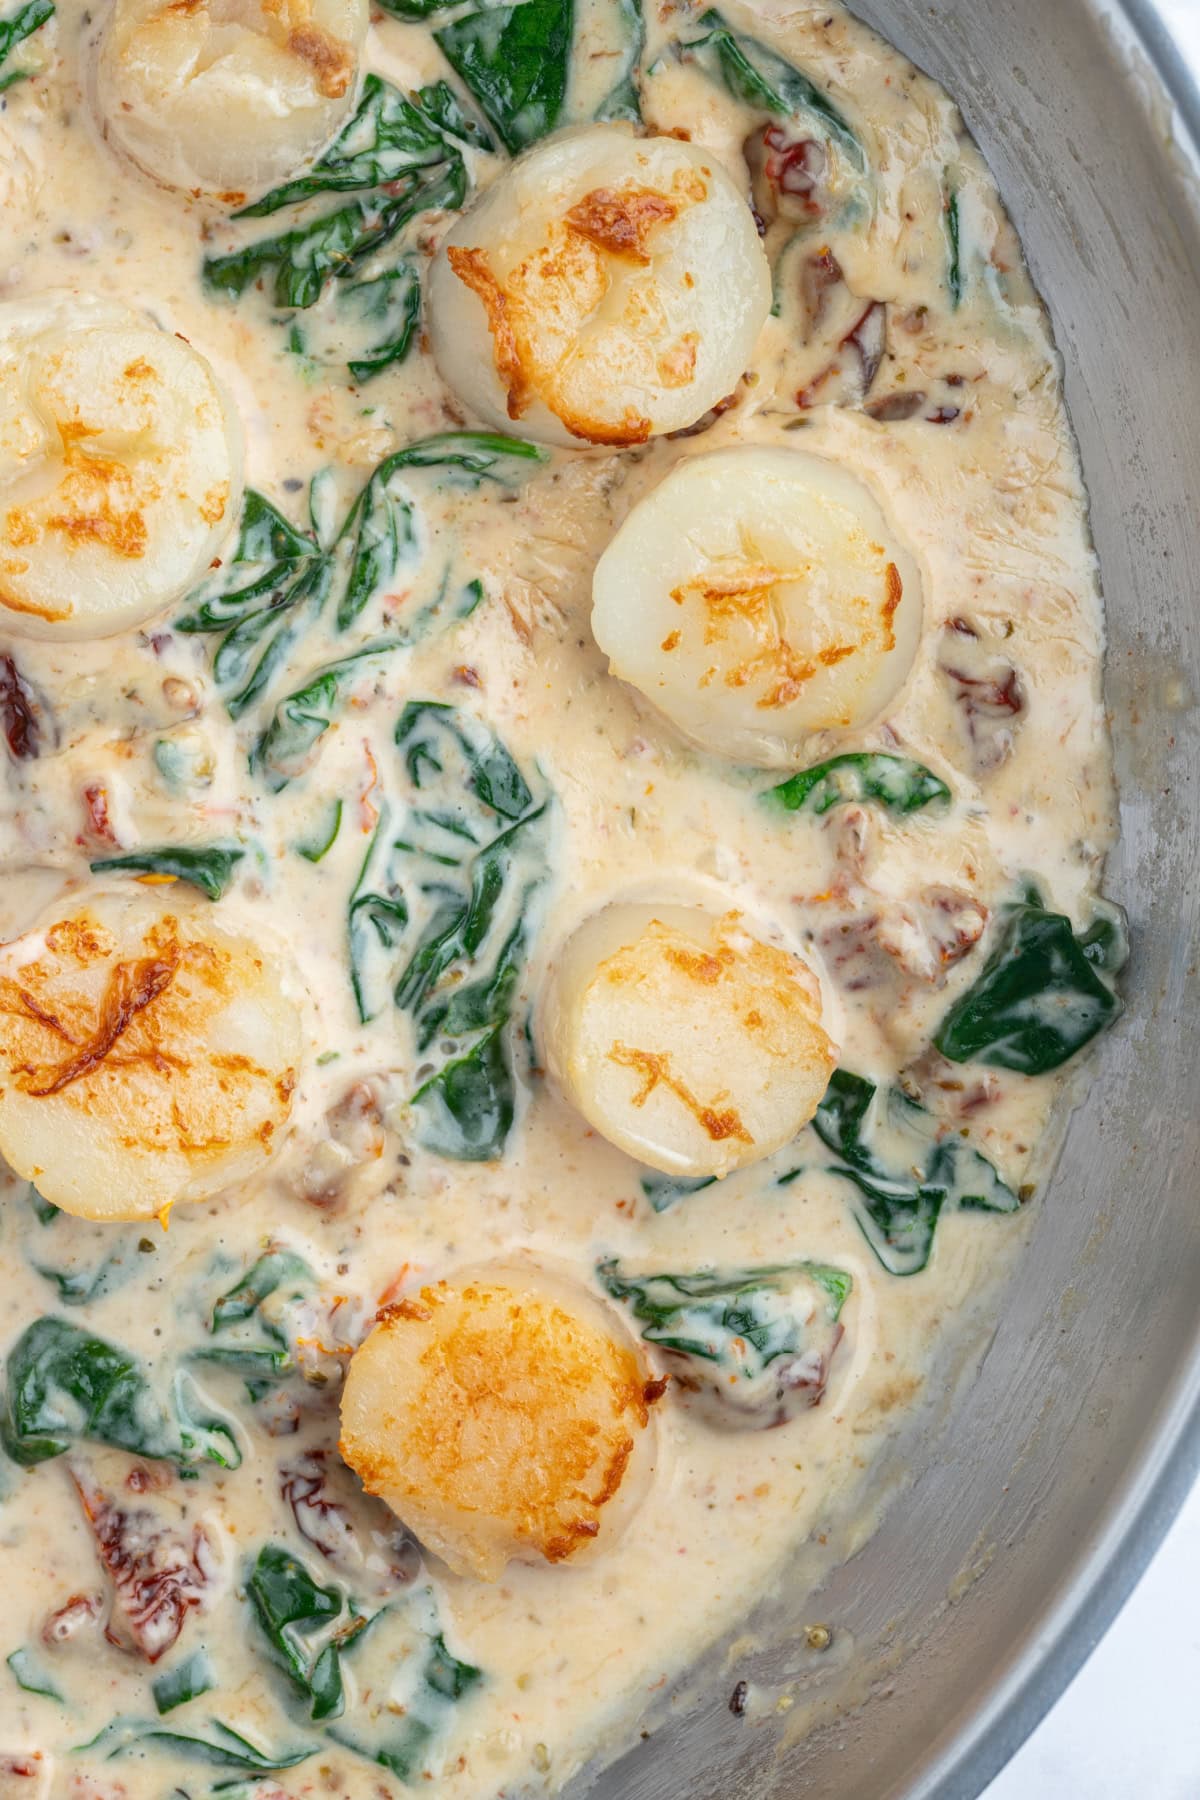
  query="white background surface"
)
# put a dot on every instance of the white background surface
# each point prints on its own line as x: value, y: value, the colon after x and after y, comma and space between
x: 1128, y: 1727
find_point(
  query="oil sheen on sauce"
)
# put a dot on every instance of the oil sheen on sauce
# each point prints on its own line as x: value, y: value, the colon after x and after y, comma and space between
x: 909, y: 346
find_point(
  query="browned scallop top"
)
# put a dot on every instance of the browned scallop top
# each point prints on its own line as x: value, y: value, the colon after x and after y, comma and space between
x: 501, y: 1404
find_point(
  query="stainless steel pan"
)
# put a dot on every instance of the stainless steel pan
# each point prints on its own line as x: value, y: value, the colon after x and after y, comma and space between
x: 1042, y: 1485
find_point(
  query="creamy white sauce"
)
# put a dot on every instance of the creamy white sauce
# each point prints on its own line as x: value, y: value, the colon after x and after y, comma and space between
x: 989, y: 502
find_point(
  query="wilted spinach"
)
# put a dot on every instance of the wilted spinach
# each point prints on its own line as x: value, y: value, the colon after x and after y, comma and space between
x: 895, y: 782
x: 441, y: 909
x: 955, y: 280
x: 280, y: 579
x: 624, y: 100
x: 222, y: 1748
x: 899, y: 1209
x: 189, y: 1679
x: 15, y: 29
x: 284, y: 748
x: 1040, y: 996
x: 64, y: 1384
x: 306, y: 1625
x: 29, y: 1674
x: 515, y: 61
x: 208, y: 867
x: 767, y: 1335
x: 262, y: 1347
x: 761, y: 78
x: 399, y: 162
x: 413, y: 1692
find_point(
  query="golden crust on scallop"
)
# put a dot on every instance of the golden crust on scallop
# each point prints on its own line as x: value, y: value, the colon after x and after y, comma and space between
x: 605, y: 289
x: 498, y: 1417
x: 146, y: 1056
x: 686, y: 1040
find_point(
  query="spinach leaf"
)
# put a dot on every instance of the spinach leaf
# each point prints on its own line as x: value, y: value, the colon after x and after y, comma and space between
x: 624, y: 100
x: 769, y: 1334
x: 377, y: 917
x: 315, y: 848
x: 475, y: 870
x: 372, y: 327
x: 515, y: 61
x: 44, y: 1211
x: 662, y: 1191
x: 380, y: 525
x: 442, y: 900
x: 189, y: 1679
x: 272, y: 589
x: 955, y: 279
x: 298, y: 1618
x: 900, y: 785
x: 899, y: 1208
x: 440, y: 103
x: 761, y: 78
x: 78, y: 1287
x: 28, y: 1674
x: 285, y: 747
x: 414, y: 10
x: 414, y: 1686
x: 399, y: 161
x: 15, y: 28
x: 279, y: 581
x: 64, y: 1384
x: 223, y: 1748
x: 265, y: 1347
x: 274, y: 1270
x: 384, y: 142
x: 1039, y: 998
x: 208, y: 867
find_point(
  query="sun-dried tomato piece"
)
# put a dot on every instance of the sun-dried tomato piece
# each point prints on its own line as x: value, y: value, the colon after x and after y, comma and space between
x: 18, y: 712
x: 157, y: 1575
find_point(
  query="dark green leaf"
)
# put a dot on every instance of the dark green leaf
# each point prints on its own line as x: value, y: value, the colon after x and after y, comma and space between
x: 855, y: 776
x: 29, y: 1674
x: 899, y: 1208
x: 384, y: 142
x: 296, y: 1615
x: 440, y: 103
x: 208, y: 867
x: 222, y: 1748
x: 77, y: 1287
x: 64, y: 1384
x: 1037, y: 1000
x: 313, y: 849
x: 44, y: 1211
x: 623, y: 100
x: 390, y: 306
x: 15, y: 28
x: 954, y: 269
x: 769, y: 1333
x: 186, y: 1681
x: 285, y: 747
x: 468, y: 1107
x: 515, y: 61
x: 275, y: 1269
x: 761, y: 78
x: 428, y: 730
x: 377, y: 918
x: 417, y: 9
x: 434, y: 1683
x: 662, y: 1191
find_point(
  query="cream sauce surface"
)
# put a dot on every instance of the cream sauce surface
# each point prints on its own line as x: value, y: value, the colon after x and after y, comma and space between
x: 961, y: 434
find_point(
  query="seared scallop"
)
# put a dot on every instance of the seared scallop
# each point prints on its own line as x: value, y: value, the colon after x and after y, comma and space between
x: 120, y: 467
x: 227, y: 97
x: 607, y: 288
x: 756, y: 596
x: 147, y: 1055
x: 684, y: 1039
x: 503, y: 1414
